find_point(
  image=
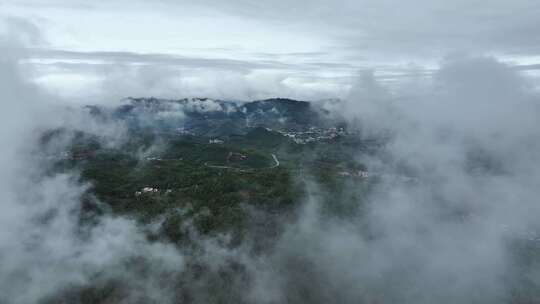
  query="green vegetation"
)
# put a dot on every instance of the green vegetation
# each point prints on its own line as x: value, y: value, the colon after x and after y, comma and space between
x: 213, y: 186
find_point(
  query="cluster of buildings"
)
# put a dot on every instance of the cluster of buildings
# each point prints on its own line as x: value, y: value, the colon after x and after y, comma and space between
x: 78, y: 155
x: 234, y: 156
x: 359, y: 173
x: 216, y: 141
x: 314, y: 134
x: 150, y: 190
x: 183, y: 131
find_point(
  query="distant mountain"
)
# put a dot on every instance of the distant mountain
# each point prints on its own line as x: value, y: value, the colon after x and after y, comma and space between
x: 214, y: 117
x: 282, y: 113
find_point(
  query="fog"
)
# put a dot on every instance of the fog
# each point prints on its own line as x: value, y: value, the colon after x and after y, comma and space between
x: 44, y: 248
x: 458, y: 182
x: 457, y: 189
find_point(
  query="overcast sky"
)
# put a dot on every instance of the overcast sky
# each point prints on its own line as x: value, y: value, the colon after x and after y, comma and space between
x: 455, y: 175
x: 250, y: 49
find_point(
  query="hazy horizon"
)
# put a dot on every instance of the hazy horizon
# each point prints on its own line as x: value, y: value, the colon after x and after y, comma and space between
x: 412, y: 175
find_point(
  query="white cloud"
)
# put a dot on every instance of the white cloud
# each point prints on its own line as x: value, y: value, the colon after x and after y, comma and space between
x: 44, y: 249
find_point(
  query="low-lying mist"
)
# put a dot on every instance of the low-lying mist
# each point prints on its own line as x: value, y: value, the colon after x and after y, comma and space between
x: 451, y: 218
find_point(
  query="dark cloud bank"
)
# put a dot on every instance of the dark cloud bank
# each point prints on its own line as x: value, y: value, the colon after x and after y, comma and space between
x: 459, y: 183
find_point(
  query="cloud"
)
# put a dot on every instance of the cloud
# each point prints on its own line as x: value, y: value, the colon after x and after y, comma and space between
x: 109, y: 83
x: 44, y: 248
x: 452, y: 209
x: 455, y: 185
x: 417, y: 28
x: 455, y: 194
x: 156, y: 59
x: 241, y: 38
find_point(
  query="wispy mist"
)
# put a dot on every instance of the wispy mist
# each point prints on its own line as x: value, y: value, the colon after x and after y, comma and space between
x: 453, y: 200
x: 456, y: 192
x: 44, y: 249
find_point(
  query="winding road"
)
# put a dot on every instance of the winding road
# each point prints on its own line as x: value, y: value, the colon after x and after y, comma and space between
x: 276, y: 160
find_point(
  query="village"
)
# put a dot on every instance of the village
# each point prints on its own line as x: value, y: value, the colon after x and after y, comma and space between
x: 314, y: 134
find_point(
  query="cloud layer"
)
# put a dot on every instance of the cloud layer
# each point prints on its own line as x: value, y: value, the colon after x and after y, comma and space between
x: 296, y: 48
x: 456, y: 185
